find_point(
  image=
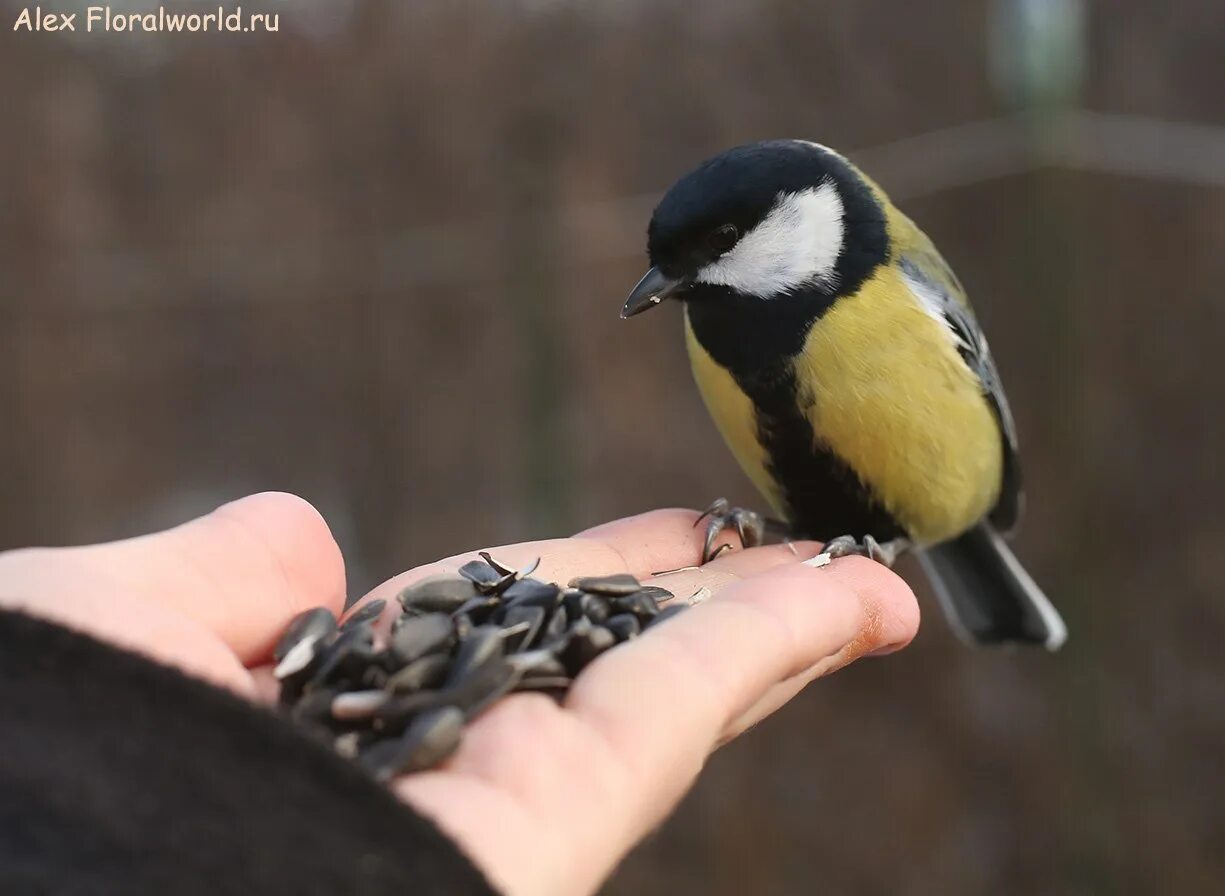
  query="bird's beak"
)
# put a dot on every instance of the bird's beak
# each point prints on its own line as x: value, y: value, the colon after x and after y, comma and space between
x: 652, y: 289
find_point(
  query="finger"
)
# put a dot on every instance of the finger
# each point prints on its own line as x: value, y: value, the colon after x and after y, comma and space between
x: 892, y: 632
x: 710, y: 580
x: 695, y: 675
x: 733, y: 566
x: 730, y: 567
x: 660, y: 539
x: 243, y: 571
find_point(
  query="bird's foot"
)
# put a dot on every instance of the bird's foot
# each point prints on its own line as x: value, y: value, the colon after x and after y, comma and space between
x: 749, y: 525
x: 846, y: 545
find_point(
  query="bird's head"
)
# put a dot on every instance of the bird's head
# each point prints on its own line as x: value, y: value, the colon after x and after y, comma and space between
x: 761, y: 221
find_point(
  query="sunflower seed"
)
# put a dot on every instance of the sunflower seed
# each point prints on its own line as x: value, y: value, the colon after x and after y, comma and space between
x: 460, y: 644
x: 580, y: 603
x: 437, y: 594
x: 495, y: 679
x: 480, y: 606
x: 486, y: 579
x: 580, y: 626
x: 572, y: 602
x: 425, y: 672
x: 596, y: 608
x: 298, y: 658
x: 659, y: 595
x: 482, y: 646
x: 640, y: 604
x: 620, y: 583
x: 532, y: 618
x: 429, y: 739
x: 402, y: 708
x: 510, y: 633
x: 624, y: 626
x: 584, y: 646
x: 501, y: 568
x: 358, y: 704
x: 317, y: 623
x: 537, y: 664
x: 421, y: 635
x: 555, y: 631
x: 348, y: 654
x: 532, y: 593
x: 367, y: 612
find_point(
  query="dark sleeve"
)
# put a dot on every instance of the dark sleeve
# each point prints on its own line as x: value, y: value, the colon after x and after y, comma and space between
x: 118, y: 775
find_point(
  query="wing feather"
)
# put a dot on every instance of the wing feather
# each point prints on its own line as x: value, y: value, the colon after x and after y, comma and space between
x: 937, y: 289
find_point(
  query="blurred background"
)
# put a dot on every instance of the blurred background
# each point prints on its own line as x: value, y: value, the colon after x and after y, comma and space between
x: 376, y: 259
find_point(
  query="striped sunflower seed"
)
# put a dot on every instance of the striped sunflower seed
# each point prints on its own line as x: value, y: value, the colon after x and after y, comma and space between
x: 317, y: 624
x: 427, y: 671
x: 618, y: 584
x: 428, y: 740
x: 367, y: 612
x: 438, y: 594
x: 421, y: 635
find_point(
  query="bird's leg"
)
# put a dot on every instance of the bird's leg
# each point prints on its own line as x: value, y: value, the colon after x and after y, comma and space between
x: 749, y: 525
x: 845, y: 545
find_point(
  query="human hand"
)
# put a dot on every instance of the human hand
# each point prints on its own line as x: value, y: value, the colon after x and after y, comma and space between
x: 547, y: 798
x: 544, y: 798
x: 210, y: 596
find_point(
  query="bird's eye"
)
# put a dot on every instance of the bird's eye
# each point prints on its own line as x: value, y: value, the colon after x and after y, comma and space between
x: 723, y: 239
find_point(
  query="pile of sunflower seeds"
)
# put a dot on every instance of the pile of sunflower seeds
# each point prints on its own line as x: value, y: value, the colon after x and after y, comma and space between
x: 398, y: 703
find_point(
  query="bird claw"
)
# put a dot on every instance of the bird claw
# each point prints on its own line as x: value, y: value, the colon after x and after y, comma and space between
x: 845, y: 545
x: 720, y: 515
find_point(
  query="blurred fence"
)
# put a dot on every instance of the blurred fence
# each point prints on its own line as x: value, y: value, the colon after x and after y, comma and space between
x: 376, y: 259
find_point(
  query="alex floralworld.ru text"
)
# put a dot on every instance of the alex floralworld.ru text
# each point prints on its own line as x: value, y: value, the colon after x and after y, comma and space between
x: 104, y: 18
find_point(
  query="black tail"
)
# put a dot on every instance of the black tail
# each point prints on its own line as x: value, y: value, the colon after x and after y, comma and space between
x: 987, y: 595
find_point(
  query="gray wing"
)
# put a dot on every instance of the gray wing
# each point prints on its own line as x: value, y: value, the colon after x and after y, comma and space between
x: 937, y: 288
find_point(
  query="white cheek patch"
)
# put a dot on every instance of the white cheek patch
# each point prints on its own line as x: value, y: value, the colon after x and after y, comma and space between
x: 796, y: 244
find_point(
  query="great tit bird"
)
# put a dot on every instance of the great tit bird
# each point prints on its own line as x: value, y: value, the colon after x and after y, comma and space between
x: 838, y: 355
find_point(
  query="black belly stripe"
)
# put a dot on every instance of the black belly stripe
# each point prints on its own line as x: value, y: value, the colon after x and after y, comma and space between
x: 756, y: 342
x: 824, y: 496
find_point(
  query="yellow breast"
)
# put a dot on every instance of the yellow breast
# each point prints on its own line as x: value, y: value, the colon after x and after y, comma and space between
x: 885, y: 390
x: 891, y: 396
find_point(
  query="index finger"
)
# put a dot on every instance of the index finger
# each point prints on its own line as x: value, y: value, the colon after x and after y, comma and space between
x: 640, y: 545
x: 662, y: 701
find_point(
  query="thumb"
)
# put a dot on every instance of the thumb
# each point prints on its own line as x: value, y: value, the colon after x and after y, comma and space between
x: 209, y: 596
x: 242, y: 571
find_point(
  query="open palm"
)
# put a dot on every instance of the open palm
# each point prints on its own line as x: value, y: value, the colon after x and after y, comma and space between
x: 545, y: 798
